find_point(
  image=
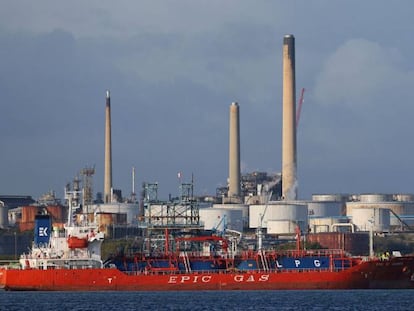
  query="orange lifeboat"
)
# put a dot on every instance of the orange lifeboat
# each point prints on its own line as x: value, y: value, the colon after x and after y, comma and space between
x: 75, y: 242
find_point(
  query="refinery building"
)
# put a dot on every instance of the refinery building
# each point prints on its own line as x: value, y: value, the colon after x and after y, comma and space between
x: 256, y: 204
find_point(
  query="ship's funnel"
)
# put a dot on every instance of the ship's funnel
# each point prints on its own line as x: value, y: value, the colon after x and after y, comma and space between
x: 234, y: 153
x: 43, y: 229
x: 289, y: 182
x: 108, y: 152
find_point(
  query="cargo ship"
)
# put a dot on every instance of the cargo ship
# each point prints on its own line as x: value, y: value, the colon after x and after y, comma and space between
x: 70, y: 260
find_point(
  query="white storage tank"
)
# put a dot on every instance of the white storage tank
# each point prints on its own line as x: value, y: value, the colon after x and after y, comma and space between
x: 405, y: 212
x: 219, y: 218
x: 244, y: 208
x: 256, y: 213
x: 130, y: 209
x: 365, y: 218
x: 278, y: 210
x: 404, y: 197
x: 324, y: 224
x: 375, y: 197
x: 283, y: 227
x: 325, y: 209
x: 330, y: 197
x: 401, y: 209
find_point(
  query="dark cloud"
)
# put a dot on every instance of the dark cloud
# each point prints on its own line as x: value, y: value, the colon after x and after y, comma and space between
x: 173, y: 71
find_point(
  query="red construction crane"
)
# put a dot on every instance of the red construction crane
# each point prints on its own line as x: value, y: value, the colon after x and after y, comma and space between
x: 300, y: 103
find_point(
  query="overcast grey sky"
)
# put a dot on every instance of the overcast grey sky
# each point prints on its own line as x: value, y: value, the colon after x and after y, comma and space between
x: 173, y: 69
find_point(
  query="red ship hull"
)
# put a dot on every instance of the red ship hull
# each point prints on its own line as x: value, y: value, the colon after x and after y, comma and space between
x: 395, y: 273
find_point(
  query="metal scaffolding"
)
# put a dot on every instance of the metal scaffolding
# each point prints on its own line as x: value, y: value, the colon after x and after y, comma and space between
x: 181, y: 212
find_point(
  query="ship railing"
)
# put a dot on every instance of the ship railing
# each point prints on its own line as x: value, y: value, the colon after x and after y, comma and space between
x: 6, y: 262
x: 336, y: 253
x: 235, y: 271
x: 9, y: 264
x: 312, y: 252
x: 57, y: 263
x: 179, y: 272
x: 201, y: 254
x: 302, y: 270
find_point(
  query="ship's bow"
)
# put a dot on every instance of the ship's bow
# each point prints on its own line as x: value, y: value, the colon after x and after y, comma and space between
x: 3, y: 274
x: 395, y: 273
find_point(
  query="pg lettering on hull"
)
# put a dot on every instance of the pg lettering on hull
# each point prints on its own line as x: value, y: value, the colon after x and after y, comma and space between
x: 300, y: 263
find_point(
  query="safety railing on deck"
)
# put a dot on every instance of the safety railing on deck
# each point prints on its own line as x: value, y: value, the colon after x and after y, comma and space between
x: 234, y: 271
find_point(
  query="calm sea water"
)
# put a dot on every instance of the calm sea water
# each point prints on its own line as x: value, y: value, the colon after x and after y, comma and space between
x: 210, y: 300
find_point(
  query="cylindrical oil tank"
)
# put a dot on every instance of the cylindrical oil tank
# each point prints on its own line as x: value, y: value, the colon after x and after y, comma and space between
x: 340, y: 197
x: 282, y: 226
x: 243, y: 207
x: 296, y: 211
x: 220, y: 218
x: 366, y: 218
x: 257, y: 215
x: 375, y: 197
x: 130, y: 209
x: 324, y: 224
x: 395, y: 207
x: 405, y: 213
x: 403, y: 197
x: 4, y: 218
x: 325, y: 209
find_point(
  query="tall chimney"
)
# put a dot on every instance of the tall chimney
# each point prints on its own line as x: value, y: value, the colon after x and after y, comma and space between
x: 234, y: 153
x: 108, y: 151
x: 289, y: 183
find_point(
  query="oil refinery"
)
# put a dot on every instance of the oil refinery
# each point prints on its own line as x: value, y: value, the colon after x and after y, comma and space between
x: 251, y: 205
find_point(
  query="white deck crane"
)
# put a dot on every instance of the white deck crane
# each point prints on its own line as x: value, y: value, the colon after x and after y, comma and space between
x: 260, y: 227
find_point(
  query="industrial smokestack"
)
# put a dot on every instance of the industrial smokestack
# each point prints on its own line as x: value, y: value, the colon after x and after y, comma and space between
x: 289, y: 182
x: 108, y: 152
x: 234, y: 153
